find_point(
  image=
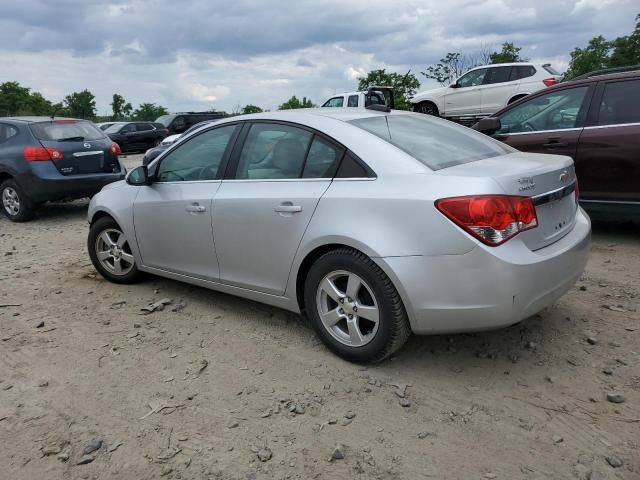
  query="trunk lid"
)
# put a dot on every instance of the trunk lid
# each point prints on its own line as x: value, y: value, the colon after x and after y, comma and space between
x: 85, y: 148
x: 550, y: 180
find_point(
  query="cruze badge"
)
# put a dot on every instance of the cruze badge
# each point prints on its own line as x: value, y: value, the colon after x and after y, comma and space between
x: 526, y: 183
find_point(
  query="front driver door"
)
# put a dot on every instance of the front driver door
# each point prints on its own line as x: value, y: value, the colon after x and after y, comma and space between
x: 172, y: 216
x: 466, y: 97
x: 547, y: 123
x: 261, y: 213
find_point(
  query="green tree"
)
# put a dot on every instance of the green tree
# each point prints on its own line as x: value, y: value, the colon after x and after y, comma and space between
x: 149, y: 112
x: 14, y: 98
x: 120, y: 107
x: 594, y: 56
x: 626, y: 50
x: 38, y: 105
x: 294, y: 102
x: 251, y: 109
x: 404, y: 85
x: 81, y: 104
x: 509, y: 53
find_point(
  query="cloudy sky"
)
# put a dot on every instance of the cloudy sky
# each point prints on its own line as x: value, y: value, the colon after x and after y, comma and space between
x: 197, y: 54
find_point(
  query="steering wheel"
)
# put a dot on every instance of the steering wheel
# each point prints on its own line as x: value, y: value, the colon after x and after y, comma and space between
x: 527, y: 127
x: 208, y: 173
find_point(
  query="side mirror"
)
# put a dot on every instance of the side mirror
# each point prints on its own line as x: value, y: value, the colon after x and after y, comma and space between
x: 488, y: 126
x: 138, y: 176
x: 454, y: 85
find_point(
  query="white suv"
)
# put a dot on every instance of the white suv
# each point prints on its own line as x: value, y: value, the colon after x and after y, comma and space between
x: 356, y: 99
x: 485, y: 90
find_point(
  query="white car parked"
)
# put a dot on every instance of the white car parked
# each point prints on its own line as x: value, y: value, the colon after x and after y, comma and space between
x: 484, y: 90
x: 356, y: 99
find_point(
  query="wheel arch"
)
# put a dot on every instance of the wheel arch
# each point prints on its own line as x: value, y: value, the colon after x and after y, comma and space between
x: 517, y: 97
x: 5, y: 176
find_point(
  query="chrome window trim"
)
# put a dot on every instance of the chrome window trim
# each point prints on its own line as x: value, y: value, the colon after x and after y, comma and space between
x: 575, y: 129
x: 613, y: 125
x: 276, y: 180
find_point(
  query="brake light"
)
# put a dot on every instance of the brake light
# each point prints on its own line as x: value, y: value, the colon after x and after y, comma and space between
x: 492, y: 219
x: 549, y: 82
x: 114, y: 149
x: 42, y: 154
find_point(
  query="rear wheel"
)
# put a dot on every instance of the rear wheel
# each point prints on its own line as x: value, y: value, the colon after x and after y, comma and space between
x: 15, y: 204
x: 110, y: 252
x: 428, y: 108
x: 354, y: 307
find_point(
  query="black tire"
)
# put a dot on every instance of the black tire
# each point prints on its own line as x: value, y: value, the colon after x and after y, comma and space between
x: 393, y: 328
x: 20, y: 208
x: 428, y: 108
x: 106, y: 224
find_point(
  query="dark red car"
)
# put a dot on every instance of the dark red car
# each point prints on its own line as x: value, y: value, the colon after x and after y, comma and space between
x: 595, y: 120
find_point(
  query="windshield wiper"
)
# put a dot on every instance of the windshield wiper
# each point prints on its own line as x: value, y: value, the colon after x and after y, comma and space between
x: 70, y: 139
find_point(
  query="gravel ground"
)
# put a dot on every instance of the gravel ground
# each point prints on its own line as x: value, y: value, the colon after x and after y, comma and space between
x: 218, y: 387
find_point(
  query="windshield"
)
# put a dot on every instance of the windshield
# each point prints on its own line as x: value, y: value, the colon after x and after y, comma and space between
x: 115, y: 128
x: 436, y: 143
x: 165, y: 119
x: 66, y: 130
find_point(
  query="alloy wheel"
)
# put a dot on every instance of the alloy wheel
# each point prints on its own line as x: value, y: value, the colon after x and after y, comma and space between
x: 11, y: 201
x: 348, y: 308
x: 113, y: 252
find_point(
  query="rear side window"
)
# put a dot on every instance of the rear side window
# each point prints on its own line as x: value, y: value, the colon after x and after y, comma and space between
x: 353, y: 101
x: 144, y: 127
x: 66, y: 130
x: 435, y: 143
x: 620, y: 103
x: 7, y: 131
x: 497, y: 75
x: 522, y: 71
x: 350, y: 167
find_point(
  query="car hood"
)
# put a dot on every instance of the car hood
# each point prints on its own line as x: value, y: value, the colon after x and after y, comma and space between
x: 428, y: 94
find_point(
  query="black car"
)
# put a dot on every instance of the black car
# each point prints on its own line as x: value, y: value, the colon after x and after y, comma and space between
x: 44, y: 159
x: 137, y: 136
x: 181, y: 122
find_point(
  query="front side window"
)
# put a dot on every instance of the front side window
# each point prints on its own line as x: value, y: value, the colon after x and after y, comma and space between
x: 143, y: 127
x: 198, y: 158
x: 497, y: 75
x: 434, y: 143
x: 620, y: 103
x: 273, y: 151
x: 556, y: 110
x: 334, y: 102
x: 472, y: 79
x: 353, y: 101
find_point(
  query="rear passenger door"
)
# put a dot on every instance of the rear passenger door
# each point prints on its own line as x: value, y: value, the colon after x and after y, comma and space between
x: 277, y: 175
x: 608, y: 157
x: 146, y: 135
x: 497, y: 89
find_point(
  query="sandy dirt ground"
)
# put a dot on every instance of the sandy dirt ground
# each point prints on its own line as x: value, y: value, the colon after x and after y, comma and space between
x: 216, y: 387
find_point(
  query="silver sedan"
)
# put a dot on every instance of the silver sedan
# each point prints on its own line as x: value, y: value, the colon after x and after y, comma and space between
x: 373, y: 224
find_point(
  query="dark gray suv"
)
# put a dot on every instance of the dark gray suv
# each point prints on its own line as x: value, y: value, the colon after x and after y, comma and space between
x: 44, y: 159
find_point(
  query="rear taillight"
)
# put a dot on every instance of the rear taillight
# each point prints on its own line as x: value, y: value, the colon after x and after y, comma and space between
x: 492, y: 219
x: 42, y: 154
x: 550, y: 82
x: 114, y: 149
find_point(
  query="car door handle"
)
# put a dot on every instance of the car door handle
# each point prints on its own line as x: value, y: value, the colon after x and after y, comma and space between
x: 555, y: 144
x: 196, y: 208
x: 288, y: 207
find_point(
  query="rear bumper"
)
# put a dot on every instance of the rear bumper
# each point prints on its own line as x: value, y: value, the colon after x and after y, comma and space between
x: 45, y: 183
x: 488, y: 288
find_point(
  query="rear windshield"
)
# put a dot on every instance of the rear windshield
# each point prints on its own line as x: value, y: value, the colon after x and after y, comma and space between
x: 550, y: 69
x: 436, y: 143
x: 66, y: 130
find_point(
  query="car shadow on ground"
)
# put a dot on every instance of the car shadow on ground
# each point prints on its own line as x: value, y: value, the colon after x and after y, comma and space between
x: 62, y: 211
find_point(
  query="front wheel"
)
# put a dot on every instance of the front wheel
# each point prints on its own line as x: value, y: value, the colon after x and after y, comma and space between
x: 428, y: 108
x: 15, y: 203
x: 110, y: 252
x: 354, y: 307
